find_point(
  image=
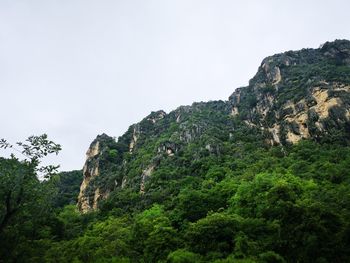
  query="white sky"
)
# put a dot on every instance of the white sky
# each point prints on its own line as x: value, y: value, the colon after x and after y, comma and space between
x: 77, y: 68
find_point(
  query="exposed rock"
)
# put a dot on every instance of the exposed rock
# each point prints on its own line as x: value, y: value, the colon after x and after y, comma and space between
x: 235, y: 97
x: 234, y: 111
x: 213, y: 148
x: 156, y: 116
x: 146, y: 173
x: 91, y: 170
x: 324, y: 103
x: 272, y: 74
x: 96, y: 198
x: 189, y: 133
x: 249, y: 123
x: 297, y: 115
x: 93, y: 150
x: 170, y: 148
x: 178, y: 118
x: 264, y: 104
x: 294, y: 96
x: 124, y: 181
x: 275, y: 132
x: 267, y: 102
x: 135, y: 136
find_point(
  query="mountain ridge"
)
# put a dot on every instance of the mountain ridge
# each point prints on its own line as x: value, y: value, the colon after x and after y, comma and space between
x: 294, y: 95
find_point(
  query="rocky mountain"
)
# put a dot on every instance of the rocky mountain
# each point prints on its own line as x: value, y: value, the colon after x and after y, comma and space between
x: 294, y: 96
x: 262, y: 177
x: 298, y: 95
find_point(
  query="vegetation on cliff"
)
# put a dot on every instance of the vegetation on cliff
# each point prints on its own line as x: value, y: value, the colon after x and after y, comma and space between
x: 263, y: 177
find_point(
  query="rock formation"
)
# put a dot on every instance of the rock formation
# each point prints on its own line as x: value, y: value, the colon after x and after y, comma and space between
x: 295, y: 95
x: 88, y: 198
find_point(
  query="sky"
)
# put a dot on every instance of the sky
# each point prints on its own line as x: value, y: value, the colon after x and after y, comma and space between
x: 74, y: 69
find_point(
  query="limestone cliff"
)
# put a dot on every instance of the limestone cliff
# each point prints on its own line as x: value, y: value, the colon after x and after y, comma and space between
x: 88, y: 197
x: 295, y: 95
x: 298, y: 95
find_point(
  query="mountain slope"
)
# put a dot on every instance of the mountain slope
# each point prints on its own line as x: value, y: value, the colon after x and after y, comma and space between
x: 262, y: 177
x: 294, y: 95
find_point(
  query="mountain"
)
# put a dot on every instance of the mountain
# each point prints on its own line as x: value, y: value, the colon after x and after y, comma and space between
x: 294, y: 96
x: 262, y: 177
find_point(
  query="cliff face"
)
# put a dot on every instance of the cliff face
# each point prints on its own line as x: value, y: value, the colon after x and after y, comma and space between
x: 90, y: 171
x: 298, y: 95
x: 90, y: 193
x: 295, y: 95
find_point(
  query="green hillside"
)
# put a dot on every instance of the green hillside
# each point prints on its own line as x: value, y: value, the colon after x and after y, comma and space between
x: 261, y: 177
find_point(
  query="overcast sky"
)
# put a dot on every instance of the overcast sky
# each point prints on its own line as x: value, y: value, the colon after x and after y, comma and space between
x: 77, y: 68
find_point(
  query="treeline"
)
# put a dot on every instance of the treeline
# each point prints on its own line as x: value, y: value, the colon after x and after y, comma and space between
x: 250, y: 204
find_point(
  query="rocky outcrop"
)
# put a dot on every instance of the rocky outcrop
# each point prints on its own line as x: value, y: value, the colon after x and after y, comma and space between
x: 169, y: 148
x: 88, y: 198
x: 135, y: 136
x: 273, y: 74
x: 156, y: 116
x: 294, y: 94
x: 146, y: 173
x: 297, y: 118
x: 90, y: 171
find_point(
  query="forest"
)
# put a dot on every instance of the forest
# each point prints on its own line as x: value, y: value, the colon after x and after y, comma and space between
x: 248, y: 204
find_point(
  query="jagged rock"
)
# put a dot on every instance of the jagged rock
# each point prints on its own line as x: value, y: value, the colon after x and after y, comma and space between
x: 91, y: 170
x: 146, y: 173
x: 156, y: 116
x: 170, y: 148
x: 268, y: 101
x: 135, y: 136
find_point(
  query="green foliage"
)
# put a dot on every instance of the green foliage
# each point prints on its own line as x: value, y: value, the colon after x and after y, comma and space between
x: 240, y: 205
x: 271, y: 257
x: 25, y: 202
x: 67, y: 185
x: 71, y: 224
x: 183, y: 256
x: 105, y: 241
x: 214, y: 233
x: 217, y: 192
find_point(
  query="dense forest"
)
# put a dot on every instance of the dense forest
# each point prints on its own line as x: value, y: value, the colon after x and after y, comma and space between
x: 262, y: 177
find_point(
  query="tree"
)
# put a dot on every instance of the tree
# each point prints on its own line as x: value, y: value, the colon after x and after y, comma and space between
x: 183, y: 256
x: 19, y: 178
x: 214, y: 233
